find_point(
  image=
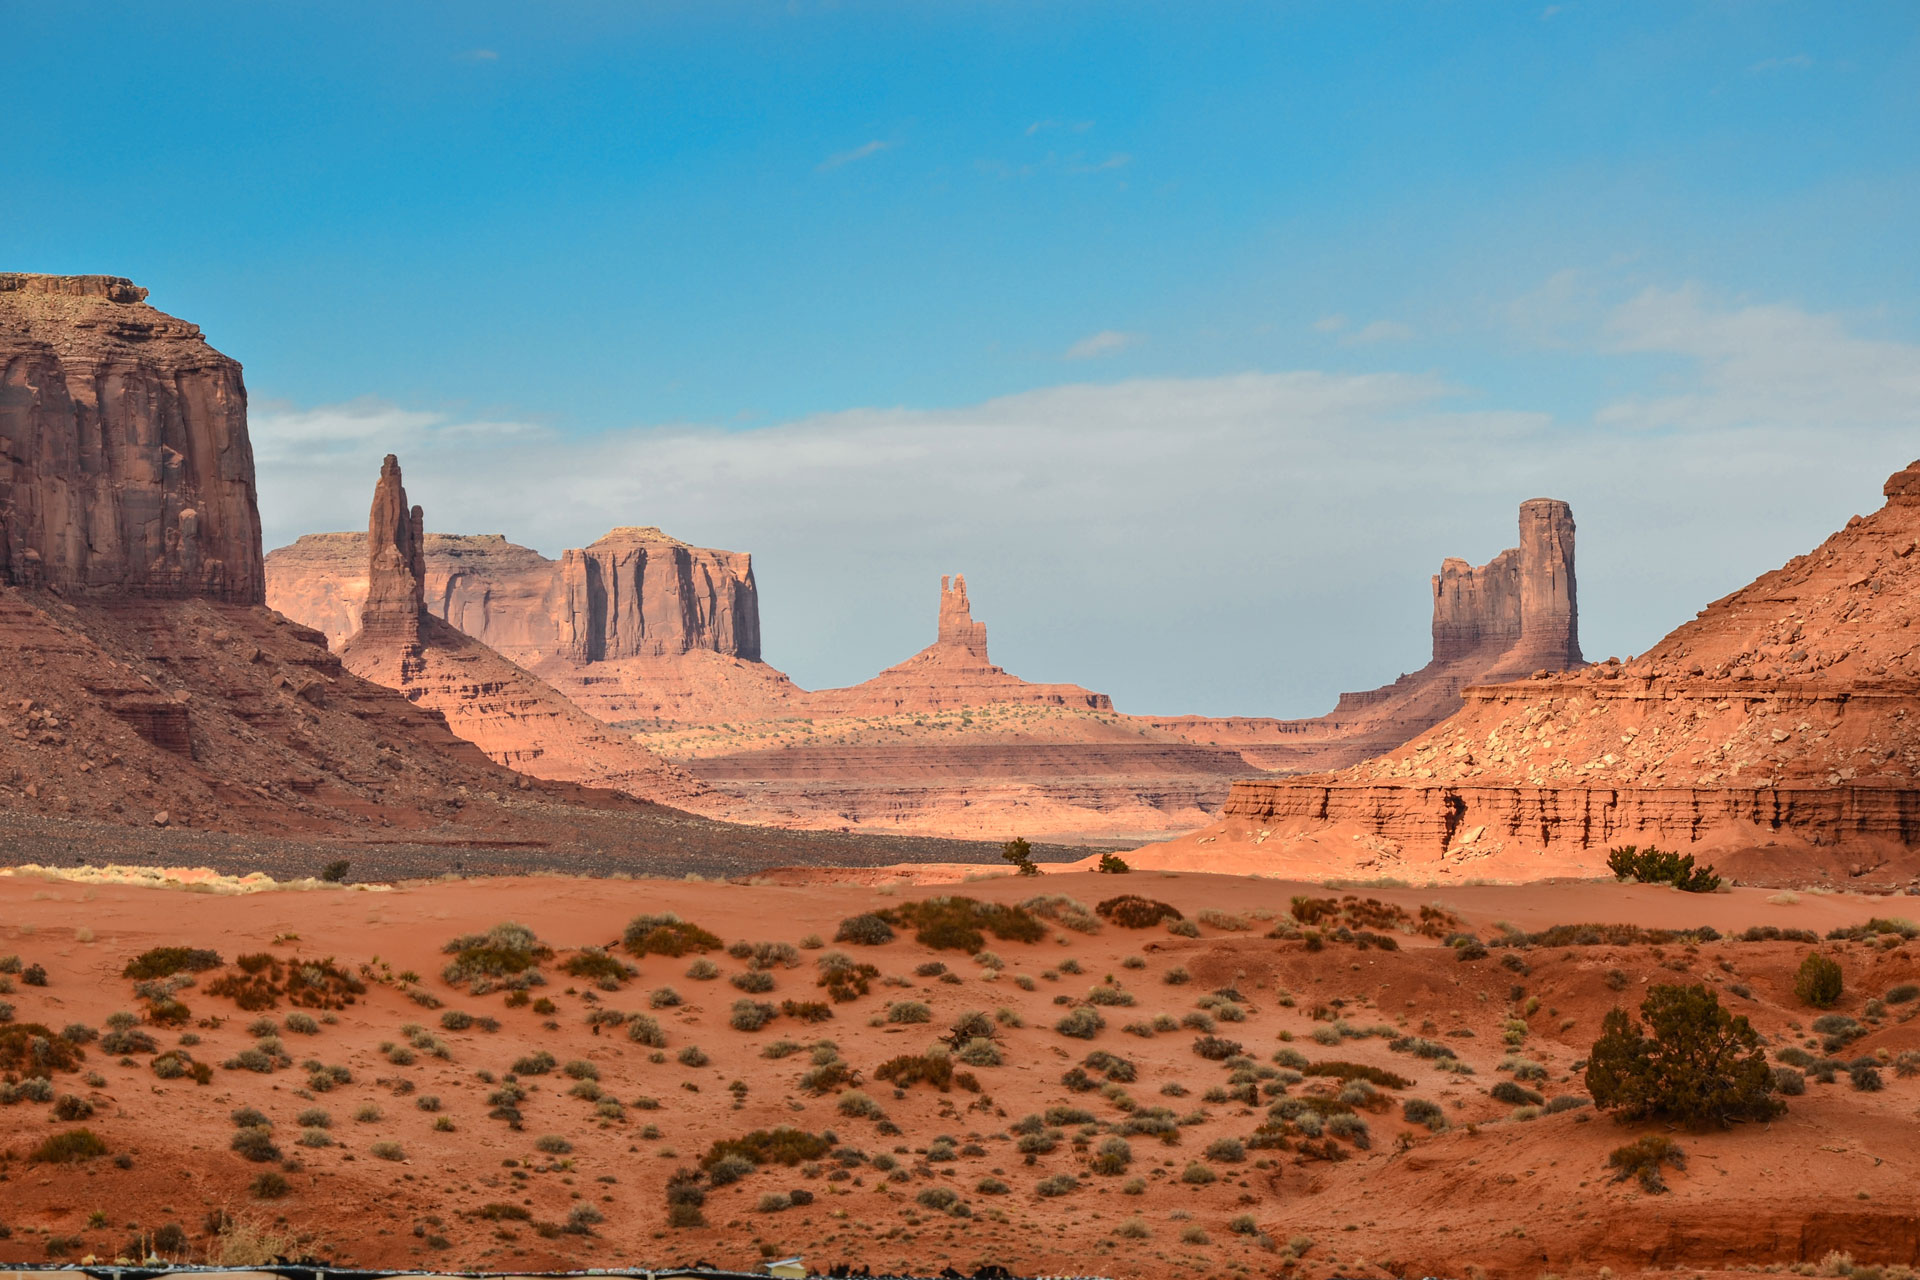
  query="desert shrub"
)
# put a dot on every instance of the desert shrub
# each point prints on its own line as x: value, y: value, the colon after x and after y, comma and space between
x: 1082, y: 1023
x: 1423, y: 1112
x: 642, y: 1029
x: 806, y: 1010
x: 1905, y: 993
x: 68, y: 1148
x: 1227, y: 1150
x: 1223, y: 920
x: 1642, y: 1159
x: 593, y: 964
x: 1198, y: 1175
x: 29, y: 1048
x: 255, y: 1142
x: 961, y: 924
x: 1059, y: 1184
x: 867, y: 929
x: 1112, y: 1066
x: 909, y: 1011
x: 1788, y: 1083
x: 1865, y: 1077
x: 69, y: 1107
x: 691, y: 1056
x: 164, y: 962
x: 663, y: 998
x: 387, y: 1151
x: 766, y: 955
x: 580, y: 1069
x: 1109, y: 997
x: 858, y: 1106
x: 1131, y: 911
x: 666, y: 934
x: 751, y: 1015
x: 1819, y: 981
x: 753, y: 981
x: 1063, y: 911
x: 1906, y: 1063
x: 979, y: 1053
x: 937, y: 1070
x: 1694, y: 1063
x: 825, y: 1077
x: 537, y: 1063
x: 1514, y: 1093
x: 553, y: 1144
x: 302, y: 1024
x: 505, y: 956
x: 1660, y: 866
x: 703, y: 970
x: 1356, y: 1071
x: 1216, y: 1049
x: 782, y: 1146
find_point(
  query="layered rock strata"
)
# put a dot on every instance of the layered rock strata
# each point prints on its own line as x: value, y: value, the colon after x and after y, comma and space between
x: 1784, y: 714
x: 1512, y: 616
x: 517, y: 719
x: 126, y: 468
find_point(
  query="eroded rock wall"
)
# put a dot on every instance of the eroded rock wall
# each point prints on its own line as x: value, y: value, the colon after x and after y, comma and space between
x: 125, y: 467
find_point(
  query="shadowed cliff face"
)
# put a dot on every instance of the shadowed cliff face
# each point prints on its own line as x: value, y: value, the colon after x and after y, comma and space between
x: 125, y: 467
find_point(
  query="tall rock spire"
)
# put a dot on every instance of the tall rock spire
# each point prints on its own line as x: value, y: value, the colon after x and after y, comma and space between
x: 958, y: 630
x: 396, y: 562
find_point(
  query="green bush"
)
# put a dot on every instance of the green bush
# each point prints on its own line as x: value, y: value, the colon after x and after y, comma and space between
x: 68, y: 1148
x: 1660, y: 866
x: 164, y: 962
x: 1819, y: 982
x: 1113, y: 864
x: 782, y: 1146
x: 1693, y: 1063
x: 1131, y: 911
x: 961, y: 924
x: 866, y: 930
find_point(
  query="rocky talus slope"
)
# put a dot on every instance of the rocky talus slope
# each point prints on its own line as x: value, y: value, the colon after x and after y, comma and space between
x: 126, y: 469
x: 517, y: 719
x: 1779, y: 723
x: 1510, y: 617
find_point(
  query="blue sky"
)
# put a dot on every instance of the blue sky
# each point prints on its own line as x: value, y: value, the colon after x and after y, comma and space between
x: 1196, y: 334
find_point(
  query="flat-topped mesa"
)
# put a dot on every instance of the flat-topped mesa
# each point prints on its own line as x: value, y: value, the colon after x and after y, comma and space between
x: 957, y: 628
x: 125, y: 468
x: 396, y: 562
x: 638, y: 593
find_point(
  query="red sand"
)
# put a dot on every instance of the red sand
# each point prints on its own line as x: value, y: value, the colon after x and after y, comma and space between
x: 1515, y: 1197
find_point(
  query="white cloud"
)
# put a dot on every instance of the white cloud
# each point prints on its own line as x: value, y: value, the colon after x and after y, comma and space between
x: 1250, y: 543
x: 1379, y: 331
x: 864, y: 151
x: 1103, y: 343
x: 1330, y: 324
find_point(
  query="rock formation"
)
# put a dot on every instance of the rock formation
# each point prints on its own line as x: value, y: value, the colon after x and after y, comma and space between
x: 1783, y: 716
x: 517, y: 719
x: 1514, y: 615
x: 126, y: 468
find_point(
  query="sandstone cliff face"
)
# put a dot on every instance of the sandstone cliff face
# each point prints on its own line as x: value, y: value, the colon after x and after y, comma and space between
x: 1786, y: 712
x: 514, y: 717
x: 125, y: 467
x: 1512, y: 616
x: 634, y: 593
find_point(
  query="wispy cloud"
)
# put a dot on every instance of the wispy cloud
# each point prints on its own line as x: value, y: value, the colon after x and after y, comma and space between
x: 1797, y: 62
x: 477, y: 55
x: 1118, y: 160
x: 1763, y: 426
x: 1103, y: 343
x: 1330, y: 324
x: 1378, y: 331
x: 865, y: 151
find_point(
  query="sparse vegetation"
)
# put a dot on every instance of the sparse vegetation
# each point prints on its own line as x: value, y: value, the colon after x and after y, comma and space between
x: 1693, y: 1063
x: 506, y: 956
x: 1131, y: 911
x: 1642, y: 1159
x: 666, y: 935
x: 1819, y: 981
x: 1660, y: 866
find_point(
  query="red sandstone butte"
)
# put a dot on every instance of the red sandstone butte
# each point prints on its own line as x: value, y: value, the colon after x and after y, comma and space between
x: 1514, y: 615
x: 127, y: 469
x: 141, y: 680
x: 517, y: 719
x: 1777, y: 728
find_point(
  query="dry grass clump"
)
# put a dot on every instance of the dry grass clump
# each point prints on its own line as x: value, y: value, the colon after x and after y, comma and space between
x: 1347, y: 1071
x: 806, y: 1010
x: 751, y: 1015
x: 766, y: 955
x: 782, y: 1146
x: 1082, y: 1023
x: 1063, y: 911
x: 666, y: 934
x: 844, y: 979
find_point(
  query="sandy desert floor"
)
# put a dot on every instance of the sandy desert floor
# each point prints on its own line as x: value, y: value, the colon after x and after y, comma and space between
x: 409, y: 1166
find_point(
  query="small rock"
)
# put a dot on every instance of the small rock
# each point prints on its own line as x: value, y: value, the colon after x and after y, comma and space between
x: 162, y: 818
